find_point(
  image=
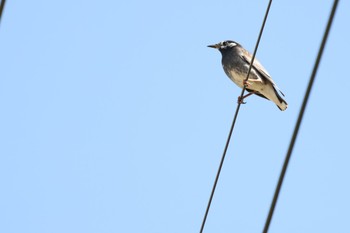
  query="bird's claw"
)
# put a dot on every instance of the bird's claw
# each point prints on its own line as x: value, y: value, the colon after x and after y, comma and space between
x: 240, y: 100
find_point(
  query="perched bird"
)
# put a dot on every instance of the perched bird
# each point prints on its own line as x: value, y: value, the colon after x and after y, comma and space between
x: 236, y: 61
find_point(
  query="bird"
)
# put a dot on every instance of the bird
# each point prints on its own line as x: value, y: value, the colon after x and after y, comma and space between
x: 236, y: 61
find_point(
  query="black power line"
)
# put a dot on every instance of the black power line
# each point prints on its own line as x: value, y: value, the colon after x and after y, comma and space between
x: 300, y: 117
x: 234, y: 120
x: 2, y: 5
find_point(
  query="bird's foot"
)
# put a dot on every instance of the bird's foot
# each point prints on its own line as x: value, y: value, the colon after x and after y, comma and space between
x: 240, y: 100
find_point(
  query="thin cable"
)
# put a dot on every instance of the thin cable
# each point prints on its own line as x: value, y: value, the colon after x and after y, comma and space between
x: 300, y: 117
x: 256, y: 49
x: 234, y: 121
x: 2, y: 5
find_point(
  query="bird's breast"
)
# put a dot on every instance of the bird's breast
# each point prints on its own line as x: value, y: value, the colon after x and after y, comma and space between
x: 236, y: 76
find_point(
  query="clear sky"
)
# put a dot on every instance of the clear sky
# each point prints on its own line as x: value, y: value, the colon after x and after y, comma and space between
x: 114, y: 116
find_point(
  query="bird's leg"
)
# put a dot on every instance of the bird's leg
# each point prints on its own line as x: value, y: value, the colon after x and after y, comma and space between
x: 240, y: 99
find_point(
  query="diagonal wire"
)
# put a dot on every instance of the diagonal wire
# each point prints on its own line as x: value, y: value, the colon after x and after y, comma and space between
x: 300, y: 117
x: 2, y: 5
x: 234, y: 121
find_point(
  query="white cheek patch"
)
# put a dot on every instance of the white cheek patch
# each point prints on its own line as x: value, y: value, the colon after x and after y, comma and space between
x: 227, y: 44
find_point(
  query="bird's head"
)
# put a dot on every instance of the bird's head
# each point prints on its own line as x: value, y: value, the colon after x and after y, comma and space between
x: 224, y: 45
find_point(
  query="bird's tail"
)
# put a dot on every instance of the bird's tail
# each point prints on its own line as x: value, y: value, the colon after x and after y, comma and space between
x: 281, y: 104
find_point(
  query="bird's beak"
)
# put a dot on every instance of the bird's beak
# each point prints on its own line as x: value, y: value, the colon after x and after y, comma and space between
x: 214, y: 46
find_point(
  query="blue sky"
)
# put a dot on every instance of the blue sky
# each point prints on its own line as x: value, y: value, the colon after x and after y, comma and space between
x: 114, y: 116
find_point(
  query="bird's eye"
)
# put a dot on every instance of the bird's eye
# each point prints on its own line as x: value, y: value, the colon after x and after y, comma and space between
x: 224, y: 43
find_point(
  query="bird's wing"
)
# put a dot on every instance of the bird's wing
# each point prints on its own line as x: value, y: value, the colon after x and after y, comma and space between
x: 247, y: 57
